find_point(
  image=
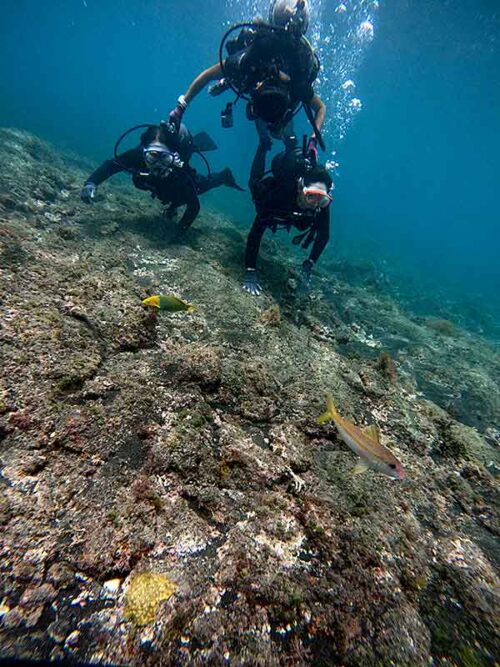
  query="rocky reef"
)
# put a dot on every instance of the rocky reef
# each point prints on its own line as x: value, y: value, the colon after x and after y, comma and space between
x: 166, y: 496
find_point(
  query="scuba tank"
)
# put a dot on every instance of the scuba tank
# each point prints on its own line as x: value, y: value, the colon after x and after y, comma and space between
x: 293, y: 163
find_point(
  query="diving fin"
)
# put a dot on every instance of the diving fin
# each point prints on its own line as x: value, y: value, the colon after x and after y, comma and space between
x: 203, y: 143
x: 331, y: 412
x: 330, y: 406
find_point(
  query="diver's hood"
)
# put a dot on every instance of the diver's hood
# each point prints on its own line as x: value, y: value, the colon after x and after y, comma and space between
x: 293, y: 15
x: 290, y: 164
x: 271, y: 102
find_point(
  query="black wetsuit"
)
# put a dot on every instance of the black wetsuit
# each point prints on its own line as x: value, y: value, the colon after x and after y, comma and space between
x: 258, y: 58
x: 180, y: 187
x: 276, y: 205
x: 259, y: 51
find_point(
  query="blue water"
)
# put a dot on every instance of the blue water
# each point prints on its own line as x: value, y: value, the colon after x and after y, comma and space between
x: 417, y: 176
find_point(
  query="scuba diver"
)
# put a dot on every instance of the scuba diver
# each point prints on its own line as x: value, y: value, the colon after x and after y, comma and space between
x: 160, y: 165
x: 295, y: 193
x: 273, y: 67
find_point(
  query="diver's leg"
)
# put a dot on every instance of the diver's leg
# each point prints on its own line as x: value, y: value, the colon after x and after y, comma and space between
x: 215, y: 180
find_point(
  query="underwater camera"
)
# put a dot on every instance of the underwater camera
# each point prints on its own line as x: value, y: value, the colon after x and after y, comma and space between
x: 226, y: 116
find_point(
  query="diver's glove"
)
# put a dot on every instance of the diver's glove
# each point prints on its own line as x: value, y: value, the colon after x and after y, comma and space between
x: 312, y: 150
x: 88, y: 192
x: 307, y: 267
x: 251, y: 282
x: 169, y: 213
x: 175, y: 116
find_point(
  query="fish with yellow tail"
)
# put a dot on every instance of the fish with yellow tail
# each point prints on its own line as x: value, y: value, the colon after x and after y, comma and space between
x: 170, y: 303
x: 365, y: 442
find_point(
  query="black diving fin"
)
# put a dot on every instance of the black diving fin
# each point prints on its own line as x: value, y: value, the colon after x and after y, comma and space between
x: 203, y: 143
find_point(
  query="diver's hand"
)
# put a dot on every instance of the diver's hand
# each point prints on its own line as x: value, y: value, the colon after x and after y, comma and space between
x: 169, y: 213
x: 88, y: 192
x: 312, y: 150
x: 251, y: 282
x: 307, y: 267
x: 265, y: 143
x: 175, y: 116
x: 218, y: 88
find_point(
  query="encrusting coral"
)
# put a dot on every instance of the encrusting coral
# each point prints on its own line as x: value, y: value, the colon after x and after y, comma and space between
x: 146, y: 591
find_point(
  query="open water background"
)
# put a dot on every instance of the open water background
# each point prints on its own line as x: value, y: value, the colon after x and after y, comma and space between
x: 417, y: 186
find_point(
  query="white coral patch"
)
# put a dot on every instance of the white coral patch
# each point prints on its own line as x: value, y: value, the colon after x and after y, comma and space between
x: 53, y: 217
x: 189, y: 546
x: 4, y: 608
x: 285, y: 551
x: 111, y: 588
x: 464, y: 554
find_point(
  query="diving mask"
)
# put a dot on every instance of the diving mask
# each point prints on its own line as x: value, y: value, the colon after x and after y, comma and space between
x: 155, y: 153
x: 314, y: 195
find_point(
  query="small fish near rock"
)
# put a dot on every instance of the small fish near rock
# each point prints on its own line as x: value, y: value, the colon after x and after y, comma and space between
x: 365, y: 442
x: 170, y: 303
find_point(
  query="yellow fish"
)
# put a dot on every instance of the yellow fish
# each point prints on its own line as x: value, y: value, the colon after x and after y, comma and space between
x: 170, y: 303
x: 365, y: 442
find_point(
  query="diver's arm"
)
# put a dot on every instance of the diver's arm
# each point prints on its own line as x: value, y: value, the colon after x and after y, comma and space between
x: 106, y: 170
x: 251, y: 281
x: 175, y: 116
x: 182, y: 143
x: 129, y: 160
x: 210, y: 74
x: 258, y: 166
x: 318, y: 106
x: 253, y: 243
x: 192, y: 210
x: 322, y: 235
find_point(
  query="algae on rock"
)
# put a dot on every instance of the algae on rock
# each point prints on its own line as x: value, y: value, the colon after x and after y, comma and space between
x: 145, y: 592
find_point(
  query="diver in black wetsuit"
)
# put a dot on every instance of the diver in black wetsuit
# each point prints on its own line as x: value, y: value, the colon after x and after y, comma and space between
x: 160, y: 165
x: 296, y: 194
x: 273, y: 66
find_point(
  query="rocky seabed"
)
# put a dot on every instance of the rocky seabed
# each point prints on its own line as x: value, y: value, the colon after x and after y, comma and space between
x: 166, y: 496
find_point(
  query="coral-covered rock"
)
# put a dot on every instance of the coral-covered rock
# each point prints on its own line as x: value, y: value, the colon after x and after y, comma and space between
x: 184, y: 448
